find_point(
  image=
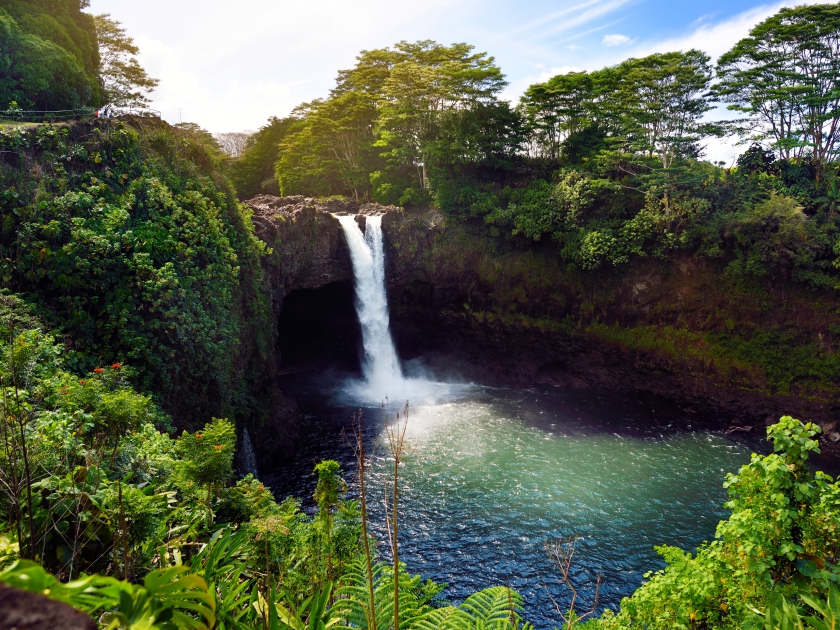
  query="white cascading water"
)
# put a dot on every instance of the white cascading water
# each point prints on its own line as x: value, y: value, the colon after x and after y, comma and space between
x: 380, y: 366
x: 248, y: 460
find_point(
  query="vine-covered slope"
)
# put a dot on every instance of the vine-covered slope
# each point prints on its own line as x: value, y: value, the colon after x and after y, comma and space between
x: 134, y: 248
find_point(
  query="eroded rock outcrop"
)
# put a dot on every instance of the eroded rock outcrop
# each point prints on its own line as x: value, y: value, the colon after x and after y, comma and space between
x: 509, y: 316
x: 308, y: 253
x: 20, y: 610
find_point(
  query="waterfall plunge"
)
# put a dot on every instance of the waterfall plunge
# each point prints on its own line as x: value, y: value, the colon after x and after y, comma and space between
x: 380, y: 365
x: 247, y: 457
x: 383, y: 375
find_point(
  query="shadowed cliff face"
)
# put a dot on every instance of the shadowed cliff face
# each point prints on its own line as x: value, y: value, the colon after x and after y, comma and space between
x: 675, y: 328
x: 517, y: 317
x: 310, y: 276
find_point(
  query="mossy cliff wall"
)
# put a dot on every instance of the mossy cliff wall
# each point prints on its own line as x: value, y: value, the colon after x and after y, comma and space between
x: 678, y: 328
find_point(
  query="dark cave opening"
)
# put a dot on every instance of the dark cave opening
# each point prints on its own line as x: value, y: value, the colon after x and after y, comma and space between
x: 319, y: 329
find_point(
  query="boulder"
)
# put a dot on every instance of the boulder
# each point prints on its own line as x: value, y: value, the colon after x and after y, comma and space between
x: 20, y: 610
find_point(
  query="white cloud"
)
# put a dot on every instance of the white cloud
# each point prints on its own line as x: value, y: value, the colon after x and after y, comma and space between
x: 230, y: 67
x: 593, y: 11
x: 614, y: 40
x: 717, y: 38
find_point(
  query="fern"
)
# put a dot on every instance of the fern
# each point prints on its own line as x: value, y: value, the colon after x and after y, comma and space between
x: 494, y: 608
x: 354, y: 600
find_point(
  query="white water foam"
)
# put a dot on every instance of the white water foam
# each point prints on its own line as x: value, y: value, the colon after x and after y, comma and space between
x: 383, y: 375
x: 248, y: 460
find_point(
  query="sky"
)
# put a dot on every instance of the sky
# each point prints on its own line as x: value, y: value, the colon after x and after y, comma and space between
x: 229, y: 66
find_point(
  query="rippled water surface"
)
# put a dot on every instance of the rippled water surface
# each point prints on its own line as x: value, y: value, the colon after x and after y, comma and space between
x: 493, y: 474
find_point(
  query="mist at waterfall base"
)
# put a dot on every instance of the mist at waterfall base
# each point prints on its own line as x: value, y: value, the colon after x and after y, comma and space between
x: 383, y: 375
x: 493, y: 474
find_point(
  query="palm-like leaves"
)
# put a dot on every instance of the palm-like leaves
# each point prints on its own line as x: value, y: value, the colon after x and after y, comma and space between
x: 221, y: 564
x: 311, y: 615
x: 784, y: 615
x: 170, y: 598
x: 495, y: 608
x: 830, y: 199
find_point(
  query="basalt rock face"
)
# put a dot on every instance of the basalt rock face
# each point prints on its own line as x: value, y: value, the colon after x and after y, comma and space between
x: 310, y: 277
x: 675, y: 328
x: 308, y: 246
x: 491, y: 312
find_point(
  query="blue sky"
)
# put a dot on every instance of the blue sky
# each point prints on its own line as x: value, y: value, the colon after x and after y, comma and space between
x: 228, y: 66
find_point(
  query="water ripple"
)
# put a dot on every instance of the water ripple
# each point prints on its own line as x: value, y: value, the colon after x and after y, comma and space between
x: 490, y: 479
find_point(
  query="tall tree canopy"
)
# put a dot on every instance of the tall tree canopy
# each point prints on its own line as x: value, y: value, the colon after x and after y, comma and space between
x: 49, y: 58
x: 123, y: 80
x: 426, y: 82
x: 786, y: 78
x: 660, y: 100
x: 381, y: 127
x: 556, y: 109
x: 654, y: 105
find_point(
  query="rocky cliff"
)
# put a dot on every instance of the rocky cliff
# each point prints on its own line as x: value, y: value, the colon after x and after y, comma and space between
x: 511, y: 316
x: 310, y: 278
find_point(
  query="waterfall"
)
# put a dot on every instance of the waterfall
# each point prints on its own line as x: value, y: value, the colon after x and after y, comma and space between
x: 380, y: 366
x: 383, y: 375
x: 247, y: 458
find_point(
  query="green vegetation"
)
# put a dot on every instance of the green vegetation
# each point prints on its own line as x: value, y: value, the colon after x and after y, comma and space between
x: 133, y: 299
x: 105, y: 511
x: 777, y: 550
x: 55, y: 56
x: 123, y: 80
x: 603, y: 167
x: 135, y: 249
x: 102, y: 509
x: 50, y: 55
x: 253, y: 173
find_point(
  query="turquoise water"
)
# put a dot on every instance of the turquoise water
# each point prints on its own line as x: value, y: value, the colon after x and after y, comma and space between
x: 491, y: 475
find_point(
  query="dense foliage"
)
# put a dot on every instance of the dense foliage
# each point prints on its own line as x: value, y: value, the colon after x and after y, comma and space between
x: 55, y: 56
x: 103, y: 509
x: 137, y: 251
x: 780, y: 542
x: 133, y: 294
x: 253, y: 173
x: 602, y: 167
x: 49, y: 57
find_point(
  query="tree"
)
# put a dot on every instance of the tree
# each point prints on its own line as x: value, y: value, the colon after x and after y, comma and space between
x: 660, y: 100
x: 426, y: 81
x: 557, y: 109
x: 39, y: 73
x: 786, y: 78
x: 124, y: 81
x: 253, y: 172
x: 207, y: 456
x: 331, y: 149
